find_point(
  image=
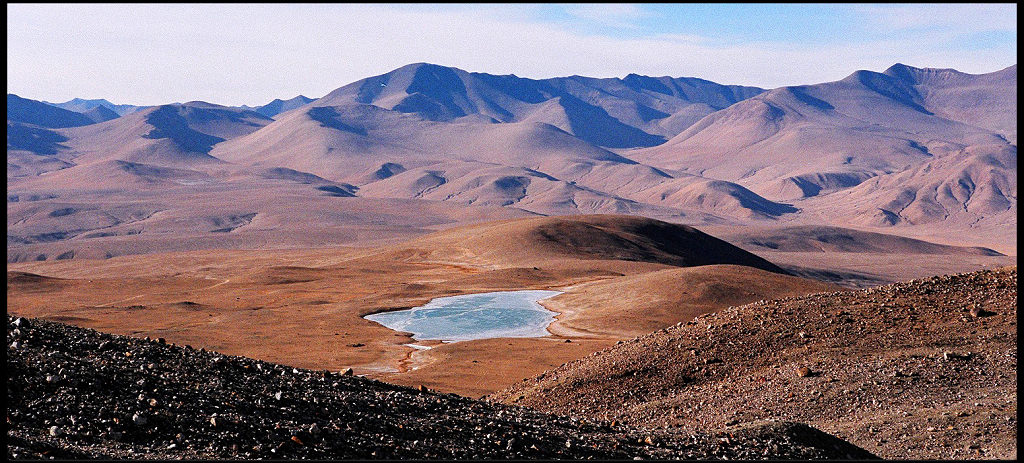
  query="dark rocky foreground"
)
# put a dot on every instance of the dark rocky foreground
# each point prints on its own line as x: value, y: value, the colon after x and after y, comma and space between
x: 76, y: 393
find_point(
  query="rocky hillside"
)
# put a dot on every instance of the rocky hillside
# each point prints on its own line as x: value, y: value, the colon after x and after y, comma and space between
x: 77, y: 393
x: 917, y: 370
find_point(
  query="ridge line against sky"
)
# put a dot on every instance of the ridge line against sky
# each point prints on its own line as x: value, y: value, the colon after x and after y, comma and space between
x: 237, y: 54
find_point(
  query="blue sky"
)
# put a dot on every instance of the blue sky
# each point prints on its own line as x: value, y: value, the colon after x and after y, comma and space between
x: 250, y: 54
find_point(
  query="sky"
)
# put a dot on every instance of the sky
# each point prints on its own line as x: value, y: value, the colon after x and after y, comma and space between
x: 235, y: 54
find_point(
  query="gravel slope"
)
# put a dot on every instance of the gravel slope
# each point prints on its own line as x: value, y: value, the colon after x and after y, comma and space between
x: 77, y: 393
x: 915, y: 370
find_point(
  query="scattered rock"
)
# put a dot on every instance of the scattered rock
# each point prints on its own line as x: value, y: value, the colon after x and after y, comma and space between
x: 955, y: 356
x: 977, y: 312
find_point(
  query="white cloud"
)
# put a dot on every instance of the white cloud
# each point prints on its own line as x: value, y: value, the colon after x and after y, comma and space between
x: 246, y: 54
x: 610, y: 14
x: 955, y: 18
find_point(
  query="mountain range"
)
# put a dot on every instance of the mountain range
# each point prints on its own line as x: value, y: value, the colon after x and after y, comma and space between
x: 911, y: 151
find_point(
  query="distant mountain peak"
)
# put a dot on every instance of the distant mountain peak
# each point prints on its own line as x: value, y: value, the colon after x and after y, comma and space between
x: 167, y: 122
x: 609, y: 112
x: 906, y: 72
x: 426, y: 65
x: 100, y: 101
x: 278, y: 106
x: 83, y: 105
x: 41, y: 114
x: 201, y: 104
x: 101, y: 113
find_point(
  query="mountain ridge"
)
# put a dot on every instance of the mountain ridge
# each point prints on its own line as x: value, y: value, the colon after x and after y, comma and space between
x: 567, y: 145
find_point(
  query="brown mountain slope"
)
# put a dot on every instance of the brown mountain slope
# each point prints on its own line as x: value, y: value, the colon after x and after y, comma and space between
x: 478, y: 183
x: 922, y: 369
x: 169, y: 135
x: 978, y: 183
x: 593, y: 237
x: 987, y: 100
x: 276, y: 213
x: 149, y: 148
x: 814, y: 238
x: 396, y: 154
x: 807, y: 140
x: 335, y: 142
x: 638, y: 304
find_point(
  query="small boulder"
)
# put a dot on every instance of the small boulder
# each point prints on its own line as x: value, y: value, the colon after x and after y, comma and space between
x: 977, y: 312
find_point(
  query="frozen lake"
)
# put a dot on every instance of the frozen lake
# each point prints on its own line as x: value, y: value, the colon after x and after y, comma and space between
x: 502, y: 314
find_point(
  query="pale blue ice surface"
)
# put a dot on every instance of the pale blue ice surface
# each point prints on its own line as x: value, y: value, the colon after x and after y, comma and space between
x: 503, y: 314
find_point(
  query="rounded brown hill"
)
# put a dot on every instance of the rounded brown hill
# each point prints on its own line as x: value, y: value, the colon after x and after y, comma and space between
x: 917, y: 370
x: 591, y: 237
